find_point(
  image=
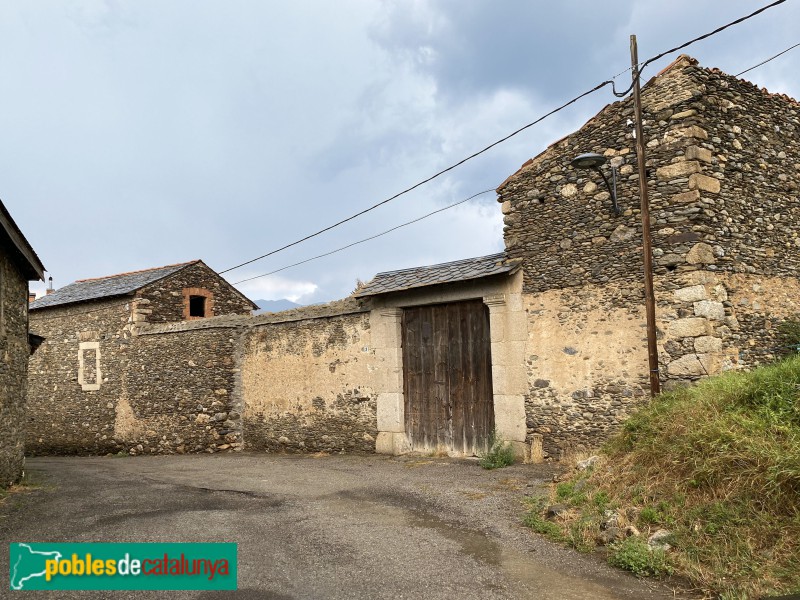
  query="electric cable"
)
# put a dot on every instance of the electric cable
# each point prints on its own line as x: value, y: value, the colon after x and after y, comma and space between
x: 514, y: 133
x: 424, y: 181
x: 430, y: 214
x: 461, y: 201
x: 695, y: 40
x: 763, y: 62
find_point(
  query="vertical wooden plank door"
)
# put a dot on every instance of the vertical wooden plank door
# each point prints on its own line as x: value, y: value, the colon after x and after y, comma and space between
x: 447, y: 383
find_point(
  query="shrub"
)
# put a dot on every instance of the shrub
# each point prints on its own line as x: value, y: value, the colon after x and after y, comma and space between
x: 536, y: 521
x: 500, y: 454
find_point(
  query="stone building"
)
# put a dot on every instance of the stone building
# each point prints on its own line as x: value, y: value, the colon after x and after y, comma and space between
x: 88, y: 380
x: 723, y: 170
x: 543, y: 344
x: 18, y: 265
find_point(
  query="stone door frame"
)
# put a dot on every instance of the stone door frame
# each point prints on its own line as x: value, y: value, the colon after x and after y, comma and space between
x: 508, y: 328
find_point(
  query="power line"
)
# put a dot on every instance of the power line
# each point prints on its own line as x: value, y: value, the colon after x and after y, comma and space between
x: 424, y: 181
x: 514, y: 133
x: 698, y: 39
x: 464, y: 200
x: 763, y: 62
x: 430, y: 214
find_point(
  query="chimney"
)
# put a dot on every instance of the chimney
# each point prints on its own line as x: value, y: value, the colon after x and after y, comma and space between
x: 49, y: 289
x: 31, y: 297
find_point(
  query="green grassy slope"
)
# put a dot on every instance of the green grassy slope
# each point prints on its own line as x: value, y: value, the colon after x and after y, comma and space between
x: 717, y: 465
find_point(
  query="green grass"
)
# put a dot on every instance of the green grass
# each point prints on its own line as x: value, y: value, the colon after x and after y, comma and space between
x: 633, y: 554
x: 716, y: 464
x: 536, y: 521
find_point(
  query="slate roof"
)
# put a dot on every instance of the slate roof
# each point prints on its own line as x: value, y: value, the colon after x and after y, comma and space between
x: 451, y: 272
x: 106, y: 287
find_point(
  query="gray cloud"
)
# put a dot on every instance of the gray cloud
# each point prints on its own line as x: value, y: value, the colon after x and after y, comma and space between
x: 141, y: 134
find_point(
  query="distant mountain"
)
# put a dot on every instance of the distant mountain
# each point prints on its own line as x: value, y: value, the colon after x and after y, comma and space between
x: 275, y: 305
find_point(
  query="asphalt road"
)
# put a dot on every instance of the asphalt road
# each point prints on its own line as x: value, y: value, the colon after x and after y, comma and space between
x: 317, y: 527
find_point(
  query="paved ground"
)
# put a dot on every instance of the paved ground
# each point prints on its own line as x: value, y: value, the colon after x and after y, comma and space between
x: 318, y: 527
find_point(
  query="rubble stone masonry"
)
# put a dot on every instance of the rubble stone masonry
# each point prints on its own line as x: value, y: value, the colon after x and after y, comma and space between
x: 14, y: 351
x: 294, y: 381
x: 723, y: 166
x: 166, y: 300
x: 70, y: 412
x: 309, y: 384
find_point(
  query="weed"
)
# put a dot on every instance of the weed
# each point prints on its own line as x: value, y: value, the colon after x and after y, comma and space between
x: 500, y: 454
x: 536, y: 521
x: 789, y: 334
x: 601, y: 501
x: 634, y: 555
x: 649, y: 516
x: 541, y: 525
x: 567, y: 492
x: 581, y: 533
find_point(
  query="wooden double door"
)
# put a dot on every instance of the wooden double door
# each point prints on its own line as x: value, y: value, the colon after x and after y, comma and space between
x: 447, y: 369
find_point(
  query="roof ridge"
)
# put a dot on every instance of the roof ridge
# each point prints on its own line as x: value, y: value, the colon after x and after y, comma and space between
x: 683, y: 58
x: 191, y: 262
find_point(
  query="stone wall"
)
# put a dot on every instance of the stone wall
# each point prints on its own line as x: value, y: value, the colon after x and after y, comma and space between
x: 568, y: 338
x: 14, y: 351
x: 723, y: 166
x: 308, y: 381
x: 108, y: 382
x: 68, y: 411
x: 586, y: 358
x: 180, y: 391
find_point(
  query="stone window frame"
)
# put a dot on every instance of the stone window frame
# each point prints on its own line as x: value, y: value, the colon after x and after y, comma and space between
x: 194, y: 291
x: 89, y: 387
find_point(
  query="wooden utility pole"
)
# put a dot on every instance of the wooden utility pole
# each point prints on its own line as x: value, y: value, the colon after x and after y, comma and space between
x: 649, y: 296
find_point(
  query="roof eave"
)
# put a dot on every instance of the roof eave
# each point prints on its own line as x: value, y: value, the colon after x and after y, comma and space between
x: 514, y: 267
x: 33, y: 308
x: 32, y: 266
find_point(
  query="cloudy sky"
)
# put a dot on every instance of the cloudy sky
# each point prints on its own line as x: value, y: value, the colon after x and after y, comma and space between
x: 149, y: 132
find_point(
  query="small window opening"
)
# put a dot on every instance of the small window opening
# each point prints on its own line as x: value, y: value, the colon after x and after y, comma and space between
x: 197, y: 306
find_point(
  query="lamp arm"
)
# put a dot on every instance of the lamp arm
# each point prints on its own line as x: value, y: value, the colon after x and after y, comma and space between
x: 612, y: 191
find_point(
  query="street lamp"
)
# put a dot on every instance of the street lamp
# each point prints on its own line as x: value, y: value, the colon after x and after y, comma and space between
x: 595, y: 161
x: 591, y: 160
